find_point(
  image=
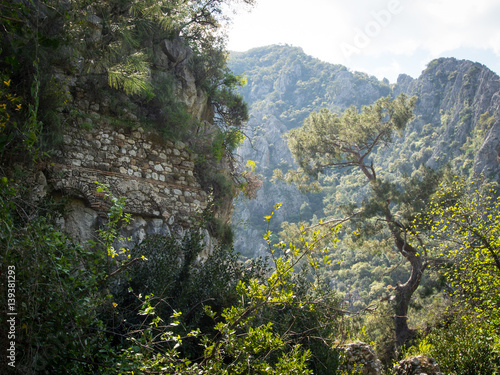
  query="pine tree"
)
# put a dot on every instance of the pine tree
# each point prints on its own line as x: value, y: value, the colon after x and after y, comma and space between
x: 327, y: 142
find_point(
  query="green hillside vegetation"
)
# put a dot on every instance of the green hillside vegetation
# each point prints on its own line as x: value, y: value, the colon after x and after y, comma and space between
x: 334, y: 262
x: 292, y: 84
x: 375, y: 192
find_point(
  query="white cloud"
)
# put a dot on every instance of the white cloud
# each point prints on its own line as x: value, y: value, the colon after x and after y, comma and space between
x: 494, y: 40
x: 286, y: 21
x: 384, y: 34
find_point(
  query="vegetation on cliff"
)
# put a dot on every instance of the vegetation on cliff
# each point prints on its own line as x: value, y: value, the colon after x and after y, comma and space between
x: 93, y: 308
x: 456, y: 102
x: 90, y: 307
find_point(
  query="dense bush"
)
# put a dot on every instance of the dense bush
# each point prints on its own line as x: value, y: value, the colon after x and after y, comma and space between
x: 274, y: 304
x: 465, y: 346
x: 179, y: 277
x: 172, y: 311
x: 60, y: 287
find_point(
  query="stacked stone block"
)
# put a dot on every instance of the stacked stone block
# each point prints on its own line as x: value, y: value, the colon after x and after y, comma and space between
x: 156, y: 176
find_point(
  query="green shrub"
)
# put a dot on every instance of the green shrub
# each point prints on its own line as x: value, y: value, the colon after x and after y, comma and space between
x: 171, y: 117
x: 176, y: 280
x: 59, y: 289
x: 465, y: 347
x: 221, y: 230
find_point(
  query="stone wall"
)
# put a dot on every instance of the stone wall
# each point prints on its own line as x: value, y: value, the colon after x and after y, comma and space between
x: 156, y: 177
x: 103, y: 140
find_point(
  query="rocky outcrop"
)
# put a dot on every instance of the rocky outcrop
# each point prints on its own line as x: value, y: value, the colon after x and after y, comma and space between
x: 417, y: 365
x: 104, y: 139
x: 461, y: 99
x: 360, y: 358
x: 174, y: 56
x: 176, y: 50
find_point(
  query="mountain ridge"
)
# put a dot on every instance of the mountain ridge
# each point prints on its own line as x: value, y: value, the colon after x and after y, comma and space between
x: 456, y: 122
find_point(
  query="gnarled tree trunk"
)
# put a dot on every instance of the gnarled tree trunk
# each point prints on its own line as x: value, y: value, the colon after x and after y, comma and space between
x: 405, y: 291
x: 403, y: 296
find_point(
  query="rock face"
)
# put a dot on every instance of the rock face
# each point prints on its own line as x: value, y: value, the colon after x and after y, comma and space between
x: 174, y: 55
x: 284, y: 87
x: 106, y: 142
x: 360, y: 358
x: 457, y: 122
x: 175, y: 50
x: 417, y: 365
x: 462, y: 99
x: 265, y: 149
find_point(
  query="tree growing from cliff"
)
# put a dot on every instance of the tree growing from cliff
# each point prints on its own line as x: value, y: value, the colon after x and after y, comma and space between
x: 327, y: 141
x: 118, y: 38
x: 118, y: 43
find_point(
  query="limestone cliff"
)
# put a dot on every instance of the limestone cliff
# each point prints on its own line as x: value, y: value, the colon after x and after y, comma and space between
x: 459, y: 101
x: 284, y: 87
x: 457, y: 122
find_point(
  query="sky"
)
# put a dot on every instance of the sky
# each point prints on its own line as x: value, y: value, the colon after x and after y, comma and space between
x: 383, y: 38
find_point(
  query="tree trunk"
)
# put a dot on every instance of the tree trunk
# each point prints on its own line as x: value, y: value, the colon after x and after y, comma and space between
x: 405, y: 291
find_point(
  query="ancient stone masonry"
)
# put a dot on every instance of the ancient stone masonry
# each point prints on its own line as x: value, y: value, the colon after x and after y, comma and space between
x: 156, y: 176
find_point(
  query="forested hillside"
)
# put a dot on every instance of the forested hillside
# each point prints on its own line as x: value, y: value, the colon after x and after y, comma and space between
x: 374, y: 173
x: 456, y: 123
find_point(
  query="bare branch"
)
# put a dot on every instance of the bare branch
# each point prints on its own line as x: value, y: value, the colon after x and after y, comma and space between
x: 335, y: 221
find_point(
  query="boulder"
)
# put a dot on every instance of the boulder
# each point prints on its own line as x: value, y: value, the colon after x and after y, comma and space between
x: 417, y: 365
x: 361, y: 359
x: 176, y: 50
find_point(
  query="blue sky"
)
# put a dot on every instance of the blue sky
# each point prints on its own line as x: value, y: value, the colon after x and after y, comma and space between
x: 380, y: 37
